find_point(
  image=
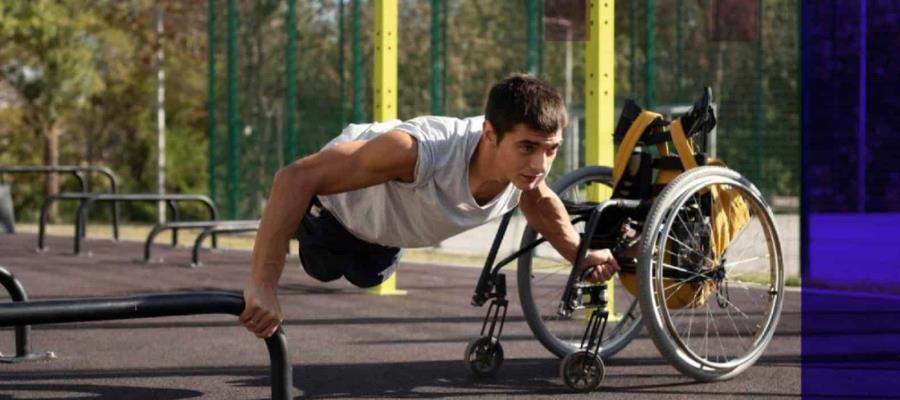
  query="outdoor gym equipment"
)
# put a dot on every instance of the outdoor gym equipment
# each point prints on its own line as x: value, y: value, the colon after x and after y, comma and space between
x: 700, y: 257
x: 78, y: 172
x: 87, y: 199
x: 22, y: 313
x: 210, y: 228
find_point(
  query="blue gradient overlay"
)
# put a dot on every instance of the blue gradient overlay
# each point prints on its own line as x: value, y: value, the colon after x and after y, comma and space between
x: 851, y: 198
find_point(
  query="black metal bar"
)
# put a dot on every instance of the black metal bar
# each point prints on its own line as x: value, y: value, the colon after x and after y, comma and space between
x: 159, y: 305
x: 583, y: 246
x: 215, y: 230
x: 17, y: 293
x: 175, y: 217
x: 78, y: 172
x: 159, y: 228
x: 23, y: 332
x: 483, y: 287
x: 89, y: 198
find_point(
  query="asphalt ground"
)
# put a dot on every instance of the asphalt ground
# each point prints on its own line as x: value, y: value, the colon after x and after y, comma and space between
x: 344, y: 342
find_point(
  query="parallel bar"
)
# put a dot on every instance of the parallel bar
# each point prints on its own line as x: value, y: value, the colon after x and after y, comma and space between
x: 17, y: 294
x: 160, y: 305
x: 77, y: 171
x: 159, y: 228
x: 216, y: 230
x: 86, y: 199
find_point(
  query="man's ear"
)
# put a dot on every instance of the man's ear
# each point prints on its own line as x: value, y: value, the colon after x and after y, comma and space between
x: 489, y: 133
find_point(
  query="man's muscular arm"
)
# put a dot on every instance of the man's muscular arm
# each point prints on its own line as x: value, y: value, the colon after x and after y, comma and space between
x: 340, y: 168
x: 546, y: 213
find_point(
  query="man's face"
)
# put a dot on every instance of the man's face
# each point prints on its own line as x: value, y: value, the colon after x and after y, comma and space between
x: 524, y: 156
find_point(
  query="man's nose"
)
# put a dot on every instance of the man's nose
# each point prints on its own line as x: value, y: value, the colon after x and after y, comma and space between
x: 540, y: 162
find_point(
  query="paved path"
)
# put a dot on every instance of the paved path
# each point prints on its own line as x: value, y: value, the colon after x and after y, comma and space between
x: 344, y: 343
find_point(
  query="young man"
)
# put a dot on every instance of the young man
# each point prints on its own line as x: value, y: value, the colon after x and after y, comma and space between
x: 380, y: 187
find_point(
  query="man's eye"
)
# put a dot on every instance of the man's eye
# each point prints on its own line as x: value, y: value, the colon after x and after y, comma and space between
x: 527, y: 149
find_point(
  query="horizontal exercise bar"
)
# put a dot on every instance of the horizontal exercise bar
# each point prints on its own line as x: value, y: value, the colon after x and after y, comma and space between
x: 158, y: 305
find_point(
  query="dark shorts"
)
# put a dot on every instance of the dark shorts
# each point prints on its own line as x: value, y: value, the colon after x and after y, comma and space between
x: 328, y: 251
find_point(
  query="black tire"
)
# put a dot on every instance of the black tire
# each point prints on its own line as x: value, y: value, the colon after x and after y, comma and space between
x: 582, y: 371
x: 540, y: 297
x: 484, y: 356
x: 705, y: 314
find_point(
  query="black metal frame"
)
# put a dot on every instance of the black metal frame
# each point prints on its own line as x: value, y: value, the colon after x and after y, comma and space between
x: 21, y: 314
x: 487, y: 282
x: 238, y: 227
x: 23, y: 332
x: 175, y: 226
x: 87, y: 199
x: 78, y: 172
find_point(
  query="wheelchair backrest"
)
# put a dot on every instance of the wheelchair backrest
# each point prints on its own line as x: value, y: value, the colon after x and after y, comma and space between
x: 638, y: 130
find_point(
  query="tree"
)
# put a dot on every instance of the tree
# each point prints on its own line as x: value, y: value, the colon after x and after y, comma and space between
x: 47, y: 52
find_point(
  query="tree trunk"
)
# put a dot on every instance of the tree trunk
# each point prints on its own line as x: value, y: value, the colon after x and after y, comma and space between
x: 51, y: 158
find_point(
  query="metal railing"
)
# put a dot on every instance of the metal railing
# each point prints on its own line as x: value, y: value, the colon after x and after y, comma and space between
x: 78, y: 172
x: 87, y: 199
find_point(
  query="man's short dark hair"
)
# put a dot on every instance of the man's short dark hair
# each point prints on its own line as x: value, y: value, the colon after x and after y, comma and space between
x: 525, y: 99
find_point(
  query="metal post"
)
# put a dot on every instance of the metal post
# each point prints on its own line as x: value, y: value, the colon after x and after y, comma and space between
x: 533, y: 54
x: 600, y: 98
x: 160, y: 114
x: 212, y: 120
x: 385, y: 84
x: 290, y: 125
x: 760, y: 102
x: 343, y: 81
x: 357, y: 71
x: 233, y: 120
x: 650, y: 63
x: 679, y: 48
x: 632, y: 43
x: 437, y: 57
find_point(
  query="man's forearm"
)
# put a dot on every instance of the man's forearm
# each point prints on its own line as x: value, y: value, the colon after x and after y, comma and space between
x: 549, y: 218
x: 287, y: 202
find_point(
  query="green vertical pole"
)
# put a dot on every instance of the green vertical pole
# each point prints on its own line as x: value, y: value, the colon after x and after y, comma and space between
x: 760, y: 102
x: 650, y: 66
x: 212, y: 120
x: 437, y: 57
x: 533, y: 52
x: 632, y: 51
x: 357, y: 72
x: 233, y: 120
x: 290, y: 123
x: 342, y: 79
x: 679, y: 47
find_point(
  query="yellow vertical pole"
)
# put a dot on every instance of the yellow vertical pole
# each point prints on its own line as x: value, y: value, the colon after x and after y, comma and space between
x: 385, y: 86
x: 600, y: 100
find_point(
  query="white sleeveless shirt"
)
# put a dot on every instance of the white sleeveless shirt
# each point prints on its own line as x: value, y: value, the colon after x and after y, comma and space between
x: 437, y: 204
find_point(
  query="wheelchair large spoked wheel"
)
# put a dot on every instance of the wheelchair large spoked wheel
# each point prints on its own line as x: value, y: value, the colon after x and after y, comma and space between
x: 710, y: 273
x: 542, y: 275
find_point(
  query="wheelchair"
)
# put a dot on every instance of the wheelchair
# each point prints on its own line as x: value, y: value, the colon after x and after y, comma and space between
x: 700, y: 257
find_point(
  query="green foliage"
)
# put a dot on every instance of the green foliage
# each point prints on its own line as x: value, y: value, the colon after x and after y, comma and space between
x: 87, y: 68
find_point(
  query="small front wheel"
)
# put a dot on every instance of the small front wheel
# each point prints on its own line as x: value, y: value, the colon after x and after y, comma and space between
x: 582, y: 371
x: 484, y: 356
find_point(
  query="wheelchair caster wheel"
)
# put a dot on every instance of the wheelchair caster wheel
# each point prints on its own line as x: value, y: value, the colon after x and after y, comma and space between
x: 582, y: 371
x: 484, y: 356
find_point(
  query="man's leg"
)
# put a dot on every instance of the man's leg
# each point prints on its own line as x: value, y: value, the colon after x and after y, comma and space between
x: 317, y: 258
